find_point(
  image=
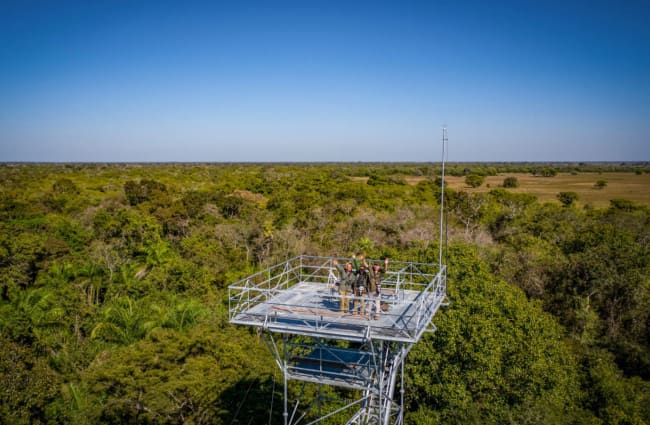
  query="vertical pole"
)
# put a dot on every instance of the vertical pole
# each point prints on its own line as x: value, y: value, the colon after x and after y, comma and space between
x: 320, y: 372
x: 401, y: 389
x: 442, y: 193
x: 285, y: 414
x: 381, y: 381
x: 320, y: 399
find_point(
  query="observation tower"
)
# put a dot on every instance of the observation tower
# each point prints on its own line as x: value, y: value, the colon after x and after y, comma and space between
x: 296, y: 308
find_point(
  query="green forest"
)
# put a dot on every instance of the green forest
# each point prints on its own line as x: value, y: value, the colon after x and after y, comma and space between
x: 113, y: 290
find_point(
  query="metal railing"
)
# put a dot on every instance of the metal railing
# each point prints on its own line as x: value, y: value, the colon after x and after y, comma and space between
x: 412, y: 291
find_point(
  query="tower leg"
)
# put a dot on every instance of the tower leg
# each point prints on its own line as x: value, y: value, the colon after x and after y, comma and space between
x: 401, y: 388
x: 285, y: 414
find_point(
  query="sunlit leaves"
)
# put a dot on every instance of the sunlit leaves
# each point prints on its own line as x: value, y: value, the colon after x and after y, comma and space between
x: 113, y: 276
x: 493, y: 353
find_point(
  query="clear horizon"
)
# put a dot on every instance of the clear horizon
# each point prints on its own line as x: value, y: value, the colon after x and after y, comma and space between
x: 449, y: 163
x: 324, y: 82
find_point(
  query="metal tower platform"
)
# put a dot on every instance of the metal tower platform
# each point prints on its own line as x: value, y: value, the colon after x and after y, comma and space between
x: 297, y: 306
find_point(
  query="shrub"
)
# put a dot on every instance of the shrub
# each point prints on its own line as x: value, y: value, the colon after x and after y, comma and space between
x: 546, y: 172
x: 567, y: 198
x: 474, y: 180
x: 622, y: 205
x: 510, y: 182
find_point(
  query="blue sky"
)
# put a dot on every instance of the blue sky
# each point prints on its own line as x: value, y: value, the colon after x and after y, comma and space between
x: 324, y: 81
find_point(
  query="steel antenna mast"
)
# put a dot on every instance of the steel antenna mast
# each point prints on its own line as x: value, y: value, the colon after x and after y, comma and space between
x: 442, y: 193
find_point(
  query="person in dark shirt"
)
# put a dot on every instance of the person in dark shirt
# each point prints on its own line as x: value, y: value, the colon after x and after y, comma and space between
x: 346, y: 283
x: 375, y: 274
x: 360, y: 291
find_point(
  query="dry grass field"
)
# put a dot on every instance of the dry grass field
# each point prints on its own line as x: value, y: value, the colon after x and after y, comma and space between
x: 619, y: 185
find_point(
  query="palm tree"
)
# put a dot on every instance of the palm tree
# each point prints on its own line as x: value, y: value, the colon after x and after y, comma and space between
x: 35, y: 314
x: 91, y: 285
x: 182, y: 315
x: 60, y: 273
x: 122, y: 321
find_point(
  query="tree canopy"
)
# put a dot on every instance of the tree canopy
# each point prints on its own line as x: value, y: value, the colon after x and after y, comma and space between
x: 113, y: 277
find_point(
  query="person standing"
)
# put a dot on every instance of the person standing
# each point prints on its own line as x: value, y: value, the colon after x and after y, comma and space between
x: 374, y: 285
x: 346, y: 283
x: 360, y: 289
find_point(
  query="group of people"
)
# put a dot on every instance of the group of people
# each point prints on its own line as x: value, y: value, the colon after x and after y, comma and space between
x: 364, y: 282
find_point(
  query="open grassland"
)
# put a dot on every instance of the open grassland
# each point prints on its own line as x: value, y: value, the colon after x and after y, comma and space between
x: 631, y: 186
